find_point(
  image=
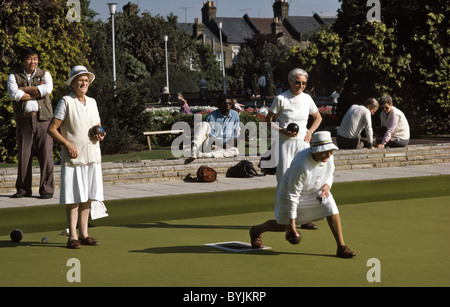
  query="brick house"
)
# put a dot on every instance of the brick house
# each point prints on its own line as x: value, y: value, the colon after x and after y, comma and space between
x: 290, y: 30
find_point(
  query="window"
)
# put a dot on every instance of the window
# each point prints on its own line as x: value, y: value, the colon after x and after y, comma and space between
x: 235, y: 53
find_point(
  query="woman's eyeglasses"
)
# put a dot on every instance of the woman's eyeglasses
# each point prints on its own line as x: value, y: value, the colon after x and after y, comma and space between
x: 301, y: 82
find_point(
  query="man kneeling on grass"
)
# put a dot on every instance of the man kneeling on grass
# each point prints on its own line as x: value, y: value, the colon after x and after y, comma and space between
x: 304, y: 195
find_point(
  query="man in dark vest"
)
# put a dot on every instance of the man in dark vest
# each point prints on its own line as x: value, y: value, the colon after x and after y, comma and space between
x: 29, y: 87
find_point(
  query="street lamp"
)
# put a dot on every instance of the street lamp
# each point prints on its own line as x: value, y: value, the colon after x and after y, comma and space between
x: 223, y: 59
x: 166, y: 38
x: 112, y: 11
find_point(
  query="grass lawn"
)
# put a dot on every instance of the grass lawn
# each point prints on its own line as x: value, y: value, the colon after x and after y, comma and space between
x: 162, y: 153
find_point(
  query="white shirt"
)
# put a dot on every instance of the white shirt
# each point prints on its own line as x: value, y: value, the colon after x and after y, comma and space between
x: 355, y: 120
x: 16, y: 94
x: 262, y: 81
x: 303, y: 179
x: 291, y: 108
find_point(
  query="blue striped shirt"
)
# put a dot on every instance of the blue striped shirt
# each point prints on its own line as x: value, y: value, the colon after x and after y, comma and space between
x: 223, y: 127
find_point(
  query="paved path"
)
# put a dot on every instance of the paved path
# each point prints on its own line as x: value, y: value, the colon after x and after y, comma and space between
x: 229, y: 184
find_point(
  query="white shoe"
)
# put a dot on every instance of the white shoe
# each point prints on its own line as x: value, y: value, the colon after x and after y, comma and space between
x: 194, y: 151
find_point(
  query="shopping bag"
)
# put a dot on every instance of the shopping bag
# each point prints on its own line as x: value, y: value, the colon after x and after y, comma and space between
x: 98, y: 210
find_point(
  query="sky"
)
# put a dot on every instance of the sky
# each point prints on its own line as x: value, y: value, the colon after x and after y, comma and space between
x: 188, y: 10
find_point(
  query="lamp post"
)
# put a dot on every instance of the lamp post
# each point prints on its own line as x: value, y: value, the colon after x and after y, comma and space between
x: 223, y: 60
x: 112, y: 11
x: 166, y: 38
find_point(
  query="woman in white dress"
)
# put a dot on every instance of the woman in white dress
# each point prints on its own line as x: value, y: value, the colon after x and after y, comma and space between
x: 304, y: 195
x: 81, y: 173
x: 293, y: 106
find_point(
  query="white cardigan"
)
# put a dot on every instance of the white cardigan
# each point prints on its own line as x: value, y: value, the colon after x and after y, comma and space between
x: 75, y: 127
x: 402, y: 129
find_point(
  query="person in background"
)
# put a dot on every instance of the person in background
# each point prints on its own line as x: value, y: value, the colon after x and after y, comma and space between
x: 81, y: 171
x: 238, y: 107
x: 262, y: 87
x: 184, y: 107
x: 396, y: 124
x: 30, y: 87
x: 355, y: 120
x: 218, y: 135
x: 164, y: 98
x: 293, y: 106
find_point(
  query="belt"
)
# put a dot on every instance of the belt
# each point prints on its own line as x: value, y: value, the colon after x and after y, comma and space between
x: 31, y: 114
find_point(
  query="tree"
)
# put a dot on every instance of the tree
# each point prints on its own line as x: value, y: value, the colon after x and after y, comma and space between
x: 122, y: 113
x: 406, y: 55
x: 262, y: 54
x: 140, y: 72
x: 42, y: 24
x: 322, y: 60
x: 140, y: 53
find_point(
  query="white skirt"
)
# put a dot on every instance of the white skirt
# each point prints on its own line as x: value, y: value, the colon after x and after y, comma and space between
x: 308, y: 209
x: 81, y: 183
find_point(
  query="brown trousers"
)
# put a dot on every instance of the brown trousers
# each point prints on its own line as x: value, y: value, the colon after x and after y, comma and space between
x: 32, y: 138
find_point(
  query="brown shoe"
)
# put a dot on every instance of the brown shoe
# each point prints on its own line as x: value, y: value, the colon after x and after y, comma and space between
x: 75, y: 244
x: 255, y: 239
x: 309, y: 225
x: 344, y: 252
x: 89, y: 241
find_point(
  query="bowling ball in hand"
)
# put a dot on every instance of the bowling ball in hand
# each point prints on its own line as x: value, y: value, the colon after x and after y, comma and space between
x: 96, y: 130
x: 293, y: 238
x: 292, y: 127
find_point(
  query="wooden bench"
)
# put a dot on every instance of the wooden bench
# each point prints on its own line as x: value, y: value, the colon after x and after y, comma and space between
x: 150, y: 133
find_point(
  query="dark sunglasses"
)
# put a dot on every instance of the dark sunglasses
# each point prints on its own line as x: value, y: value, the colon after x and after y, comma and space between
x: 300, y: 82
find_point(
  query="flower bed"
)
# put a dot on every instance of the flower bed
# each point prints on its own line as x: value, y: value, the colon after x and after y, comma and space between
x: 329, y: 119
x: 163, y: 118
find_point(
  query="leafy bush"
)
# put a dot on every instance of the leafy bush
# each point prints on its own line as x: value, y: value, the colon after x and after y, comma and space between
x: 122, y: 112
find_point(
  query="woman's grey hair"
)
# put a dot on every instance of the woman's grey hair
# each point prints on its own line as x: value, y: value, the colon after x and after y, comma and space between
x: 386, y: 99
x: 296, y: 72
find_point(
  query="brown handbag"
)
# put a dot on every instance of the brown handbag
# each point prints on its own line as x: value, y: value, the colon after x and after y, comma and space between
x: 206, y: 174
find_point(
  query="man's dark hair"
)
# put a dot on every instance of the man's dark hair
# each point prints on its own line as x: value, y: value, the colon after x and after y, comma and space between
x: 28, y: 51
x: 224, y: 97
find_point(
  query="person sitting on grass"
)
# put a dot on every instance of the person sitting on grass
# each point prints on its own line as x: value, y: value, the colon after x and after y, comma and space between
x: 308, y: 179
x: 218, y: 135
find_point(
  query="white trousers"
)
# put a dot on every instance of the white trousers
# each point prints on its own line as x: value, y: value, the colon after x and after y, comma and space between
x: 201, y: 137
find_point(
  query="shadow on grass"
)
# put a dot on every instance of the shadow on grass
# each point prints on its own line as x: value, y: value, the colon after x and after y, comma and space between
x: 201, y: 249
x: 11, y: 244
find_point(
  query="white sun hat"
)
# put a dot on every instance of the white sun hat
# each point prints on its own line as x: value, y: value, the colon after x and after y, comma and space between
x: 321, y: 141
x: 79, y: 70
